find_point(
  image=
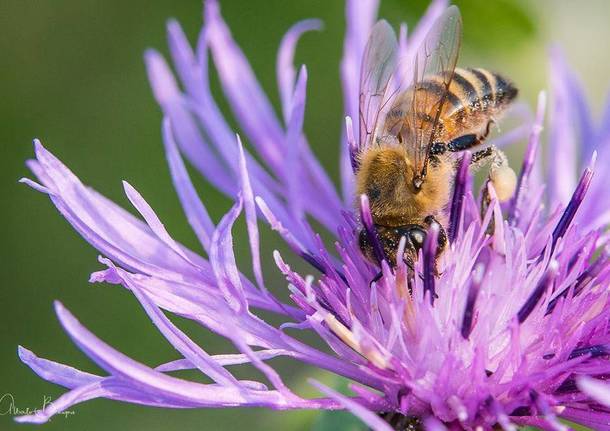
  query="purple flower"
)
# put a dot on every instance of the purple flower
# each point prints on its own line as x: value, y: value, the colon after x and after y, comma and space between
x: 508, y: 333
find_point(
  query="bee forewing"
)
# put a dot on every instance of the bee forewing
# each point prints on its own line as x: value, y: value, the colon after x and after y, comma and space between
x: 378, y: 63
x: 414, y: 100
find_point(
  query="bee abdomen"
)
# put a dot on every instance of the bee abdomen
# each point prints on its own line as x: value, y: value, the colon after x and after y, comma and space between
x: 472, y: 98
x: 472, y: 91
x: 484, y: 90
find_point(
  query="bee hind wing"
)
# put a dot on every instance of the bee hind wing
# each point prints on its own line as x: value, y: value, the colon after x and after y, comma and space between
x: 378, y: 64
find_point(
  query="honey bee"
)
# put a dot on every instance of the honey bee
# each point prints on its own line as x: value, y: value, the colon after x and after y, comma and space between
x: 416, y: 114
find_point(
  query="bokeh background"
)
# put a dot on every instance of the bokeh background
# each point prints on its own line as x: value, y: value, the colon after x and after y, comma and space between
x: 71, y: 73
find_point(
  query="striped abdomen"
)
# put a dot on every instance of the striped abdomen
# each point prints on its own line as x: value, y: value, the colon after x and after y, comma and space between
x: 474, y: 90
x: 475, y: 97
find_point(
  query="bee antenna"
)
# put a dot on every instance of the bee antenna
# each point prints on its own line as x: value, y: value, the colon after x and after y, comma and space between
x: 418, y: 181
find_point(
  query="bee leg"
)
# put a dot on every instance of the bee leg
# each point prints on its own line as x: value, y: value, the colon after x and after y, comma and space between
x: 481, y: 158
x: 478, y: 160
x: 464, y: 142
x: 461, y: 143
x: 501, y: 174
x: 456, y: 145
x: 485, y: 202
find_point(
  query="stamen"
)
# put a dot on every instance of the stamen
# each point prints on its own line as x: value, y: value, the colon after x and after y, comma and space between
x: 568, y: 385
x: 595, y: 351
x: 298, y: 248
x: 311, y: 259
x: 573, y: 205
x: 502, y: 417
x: 473, y: 292
x: 458, y: 407
x: 402, y: 244
x: 581, y: 282
x: 371, y: 231
x: 351, y: 143
x: 349, y: 338
x: 404, y: 290
x: 522, y: 411
x: 542, y: 287
x: 594, y: 310
x: 429, y: 255
x: 547, y: 412
x: 459, y: 191
x: 530, y: 154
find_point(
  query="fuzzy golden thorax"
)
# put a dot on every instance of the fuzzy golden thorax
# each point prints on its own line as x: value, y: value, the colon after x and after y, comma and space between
x: 386, y: 177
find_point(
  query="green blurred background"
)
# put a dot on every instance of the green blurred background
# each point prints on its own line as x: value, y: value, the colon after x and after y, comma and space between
x: 72, y: 74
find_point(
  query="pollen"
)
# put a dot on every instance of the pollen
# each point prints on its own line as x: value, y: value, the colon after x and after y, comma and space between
x: 348, y: 337
x: 504, y: 180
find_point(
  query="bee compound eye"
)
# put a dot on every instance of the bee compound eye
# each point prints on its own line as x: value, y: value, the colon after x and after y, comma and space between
x: 417, y: 236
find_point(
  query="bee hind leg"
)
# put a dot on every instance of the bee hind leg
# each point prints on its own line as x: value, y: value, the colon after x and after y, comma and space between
x: 461, y: 143
x: 456, y: 145
x: 500, y: 175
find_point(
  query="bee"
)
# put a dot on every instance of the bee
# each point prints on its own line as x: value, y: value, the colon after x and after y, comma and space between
x: 417, y: 113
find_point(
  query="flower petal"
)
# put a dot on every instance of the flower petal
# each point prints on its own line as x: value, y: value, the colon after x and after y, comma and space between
x: 195, y: 211
x: 562, y: 136
x: 284, y: 67
x: 187, y: 133
x: 181, y: 342
x: 223, y: 260
x: 152, y: 220
x: 293, y: 143
x: 243, y: 91
x: 54, y: 372
x: 181, y: 391
x: 250, y: 208
x: 225, y: 360
x: 109, y: 228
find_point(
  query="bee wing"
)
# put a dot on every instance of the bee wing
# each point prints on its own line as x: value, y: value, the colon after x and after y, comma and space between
x: 420, y: 87
x: 378, y: 64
